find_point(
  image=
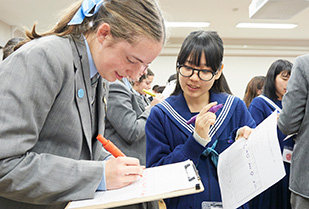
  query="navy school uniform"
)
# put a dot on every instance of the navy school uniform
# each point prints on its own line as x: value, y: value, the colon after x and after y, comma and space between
x: 278, y: 195
x: 170, y: 140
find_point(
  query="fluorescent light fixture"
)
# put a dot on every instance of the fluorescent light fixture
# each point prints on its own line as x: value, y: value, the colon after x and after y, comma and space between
x: 266, y: 25
x: 187, y: 24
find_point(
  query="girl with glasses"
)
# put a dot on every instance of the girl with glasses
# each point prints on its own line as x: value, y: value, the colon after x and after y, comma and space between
x: 200, y: 85
x: 53, y: 102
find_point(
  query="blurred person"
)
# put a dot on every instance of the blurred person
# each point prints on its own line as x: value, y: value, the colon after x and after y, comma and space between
x: 9, y: 47
x: 275, y: 86
x: 254, y: 88
x: 161, y: 89
x: 293, y: 119
x: 144, y: 82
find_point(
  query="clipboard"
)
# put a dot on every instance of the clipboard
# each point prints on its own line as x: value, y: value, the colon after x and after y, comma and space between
x: 157, y: 183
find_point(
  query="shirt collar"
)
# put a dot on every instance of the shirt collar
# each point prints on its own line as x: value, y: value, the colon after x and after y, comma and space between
x: 93, y: 69
x: 127, y: 83
x: 135, y: 92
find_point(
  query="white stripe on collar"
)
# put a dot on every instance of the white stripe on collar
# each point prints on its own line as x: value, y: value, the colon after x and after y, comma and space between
x: 226, y: 108
x: 270, y: 102
x: 177, y: 116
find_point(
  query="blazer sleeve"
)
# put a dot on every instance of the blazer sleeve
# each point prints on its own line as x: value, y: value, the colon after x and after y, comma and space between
x: 30, y: 83
x: 295, y: 101
x: 122, y: 107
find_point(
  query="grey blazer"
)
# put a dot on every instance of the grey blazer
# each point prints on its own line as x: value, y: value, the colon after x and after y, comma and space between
x: 294, y: 118
x: 125, y: 121
x: 47, y: 154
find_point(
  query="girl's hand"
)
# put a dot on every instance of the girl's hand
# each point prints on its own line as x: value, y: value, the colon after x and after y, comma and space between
x: 204, y: 120
x: 243, y: 132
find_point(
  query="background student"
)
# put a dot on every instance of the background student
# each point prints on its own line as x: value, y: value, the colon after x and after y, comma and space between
x: 126, y: 116
x: 294, y: 119
x: 52, y: 97
x: 254, y: 88
x: 9, y: 47
x: 144, y: 82
x: 199, y: 86
x: 275, y: 86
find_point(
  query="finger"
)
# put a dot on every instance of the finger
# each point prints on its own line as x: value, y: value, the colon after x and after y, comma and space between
x: 207, y: 107
x: 130, y: 179
x: 134, y: 170
x: 244, y: 132
x: 130, y: 161
x: 206, y: 118
x: 247, y: 132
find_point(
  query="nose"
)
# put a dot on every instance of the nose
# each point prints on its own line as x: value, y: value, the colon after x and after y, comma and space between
x: 194, y: 76
x: 135, y: 73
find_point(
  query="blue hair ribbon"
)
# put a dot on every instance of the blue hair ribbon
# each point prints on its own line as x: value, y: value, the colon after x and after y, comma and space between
x: 85, y: 11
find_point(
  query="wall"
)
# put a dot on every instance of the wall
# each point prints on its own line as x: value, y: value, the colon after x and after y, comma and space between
x: 238, y: 70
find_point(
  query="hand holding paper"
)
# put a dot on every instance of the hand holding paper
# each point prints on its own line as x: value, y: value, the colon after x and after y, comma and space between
x: 243, y: 132
x: 182, y: 179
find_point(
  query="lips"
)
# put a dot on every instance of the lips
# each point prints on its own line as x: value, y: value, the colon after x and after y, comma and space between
x: 192, y: 87
x: 119, y: 77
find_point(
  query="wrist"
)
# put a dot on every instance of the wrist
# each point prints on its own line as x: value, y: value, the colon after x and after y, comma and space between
x: 201, y: 140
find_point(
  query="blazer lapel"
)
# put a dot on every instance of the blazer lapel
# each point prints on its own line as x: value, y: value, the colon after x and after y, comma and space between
x: 82, y: 87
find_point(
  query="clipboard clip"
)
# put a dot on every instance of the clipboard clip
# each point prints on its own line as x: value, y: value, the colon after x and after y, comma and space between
x: 195, y: 174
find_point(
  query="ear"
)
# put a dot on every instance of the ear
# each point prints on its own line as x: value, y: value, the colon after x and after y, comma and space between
x: 103, y: 32
x: 217, y: 76
x: 259, y: 91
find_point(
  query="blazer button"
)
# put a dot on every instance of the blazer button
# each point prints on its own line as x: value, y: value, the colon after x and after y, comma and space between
x: 80, y: 93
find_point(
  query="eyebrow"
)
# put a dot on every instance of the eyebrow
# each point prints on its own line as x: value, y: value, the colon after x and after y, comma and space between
x: 140, y: 60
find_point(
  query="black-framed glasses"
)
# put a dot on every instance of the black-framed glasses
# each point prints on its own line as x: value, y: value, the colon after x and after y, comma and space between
x: 187, y: 71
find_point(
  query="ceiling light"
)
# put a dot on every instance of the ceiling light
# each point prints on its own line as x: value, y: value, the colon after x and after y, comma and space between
x: 187, y: 24
x: 266, y: 25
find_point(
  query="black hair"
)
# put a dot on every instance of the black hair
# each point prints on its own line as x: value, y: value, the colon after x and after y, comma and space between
x: 144, y: 76
x: 160, y: 89
x: 172, y: 77
x: 275, y: 69
x: 194, y: 46
x: 9, y: 47
x: 155, y: 87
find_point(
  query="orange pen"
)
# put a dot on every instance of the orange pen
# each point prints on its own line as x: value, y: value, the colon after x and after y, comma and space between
x: 110, y: 147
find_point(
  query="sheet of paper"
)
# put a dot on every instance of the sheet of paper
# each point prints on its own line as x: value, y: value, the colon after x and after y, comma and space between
x: 156, y: 180
x: 169, y: 89
x: 248, y: 167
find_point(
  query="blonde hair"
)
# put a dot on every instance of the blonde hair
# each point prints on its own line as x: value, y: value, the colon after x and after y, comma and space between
x: 128, y: 19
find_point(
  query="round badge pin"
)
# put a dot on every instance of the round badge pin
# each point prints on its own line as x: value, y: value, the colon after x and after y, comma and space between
x: 80, y: 93
x: 288, y: 156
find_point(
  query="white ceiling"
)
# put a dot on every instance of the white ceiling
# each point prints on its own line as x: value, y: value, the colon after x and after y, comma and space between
x: 223, y: 15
